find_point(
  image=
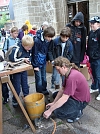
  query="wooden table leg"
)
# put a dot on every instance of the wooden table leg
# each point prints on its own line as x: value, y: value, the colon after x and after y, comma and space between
x: 0, y: 107
x: 7, y: 79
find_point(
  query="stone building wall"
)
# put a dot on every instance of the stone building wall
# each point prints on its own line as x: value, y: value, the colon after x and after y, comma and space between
x: 38, y: 11
x: 94, y: 8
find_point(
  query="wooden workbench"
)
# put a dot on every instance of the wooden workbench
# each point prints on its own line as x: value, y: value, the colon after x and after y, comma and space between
x: 4, y: 78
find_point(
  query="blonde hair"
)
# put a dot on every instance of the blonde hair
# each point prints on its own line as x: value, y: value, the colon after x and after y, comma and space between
x: 61, y: 61
x: 27, y: 41
x: 14, y: 29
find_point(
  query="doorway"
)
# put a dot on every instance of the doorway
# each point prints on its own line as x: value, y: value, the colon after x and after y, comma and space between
x: 74, y: 7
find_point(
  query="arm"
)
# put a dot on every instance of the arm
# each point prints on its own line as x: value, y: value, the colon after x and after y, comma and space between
x: 34, y: 61
x: 70, y: 52
x: 5, y: 47
x: 50, y: 51
x: 56, y: 105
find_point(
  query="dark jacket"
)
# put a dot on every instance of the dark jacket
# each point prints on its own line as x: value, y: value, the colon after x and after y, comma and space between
x: 18, y: 53
x: 39, y: 51
x: 93, y: 45
x: 55, y: 49
x: 78, y: 38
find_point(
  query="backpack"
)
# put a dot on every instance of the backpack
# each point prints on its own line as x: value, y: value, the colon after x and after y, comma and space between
x: 6, y: 58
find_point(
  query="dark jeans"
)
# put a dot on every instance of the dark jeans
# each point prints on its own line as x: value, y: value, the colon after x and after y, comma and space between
x: 95, y: 66
x: 40, y: 79
x: 70, y: 109
x: 5, y: 91
x: 19, y: 81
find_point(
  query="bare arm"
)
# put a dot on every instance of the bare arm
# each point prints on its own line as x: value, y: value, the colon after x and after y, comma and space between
x: 56, y: 105
x: 59, y: 95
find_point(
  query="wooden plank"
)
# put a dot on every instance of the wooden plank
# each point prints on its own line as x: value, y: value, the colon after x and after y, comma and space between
x: 17, y: 69
x: 0, y: 107
x: 20, y: 104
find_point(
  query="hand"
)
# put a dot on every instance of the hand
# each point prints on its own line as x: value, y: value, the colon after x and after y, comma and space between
x: 47, y: 114
x: 49, y: 105
x: 37, y: 69
x: 27, y: 60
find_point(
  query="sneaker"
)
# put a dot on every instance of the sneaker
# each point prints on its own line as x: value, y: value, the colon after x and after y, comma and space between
x: 93, y: 90
x: 78, y: 117
x: 98, y: 97
x: 15, y: 104
x: 5, y: 101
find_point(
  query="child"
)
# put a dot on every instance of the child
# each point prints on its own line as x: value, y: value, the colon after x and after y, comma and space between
x: 93, y: 51
x: 22, y: 30
x: 78, y: 38
x: 12, y: 40
x: 60, y: 46
x: 22, y: 51
x: 5, y: 90
x: 39, y: 55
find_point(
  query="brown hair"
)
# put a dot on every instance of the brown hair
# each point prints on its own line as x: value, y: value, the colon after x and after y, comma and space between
x: 65, y: 32
x: 24, y: 27
x: 14, y: 29
x: 49, y: 32
x: 61, y: 61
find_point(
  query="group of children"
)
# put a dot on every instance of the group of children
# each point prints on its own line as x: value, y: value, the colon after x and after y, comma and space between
x: 71, y: 44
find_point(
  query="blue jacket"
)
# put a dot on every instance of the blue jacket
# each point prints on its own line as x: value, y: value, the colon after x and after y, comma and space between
x: 55, y: 49
x: 39, y: 51
x: 18, y: 53
x: 9, y: 42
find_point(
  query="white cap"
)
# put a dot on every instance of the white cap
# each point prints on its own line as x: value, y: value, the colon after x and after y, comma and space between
x: 45, y: 23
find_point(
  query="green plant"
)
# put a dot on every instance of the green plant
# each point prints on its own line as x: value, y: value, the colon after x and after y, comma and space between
x: 3, y: 20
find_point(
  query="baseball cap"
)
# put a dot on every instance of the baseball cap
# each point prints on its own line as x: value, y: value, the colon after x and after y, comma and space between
x: 45, y: 23
x: 95, y: 19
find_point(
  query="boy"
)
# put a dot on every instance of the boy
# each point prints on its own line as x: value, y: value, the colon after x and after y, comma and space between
x: 22, y: 51
x: 60, y: 46
x: 39, y: 55
x: 5, y: 90
x: 12, y: 40
x: 73, y: 97
x: 93, y: 51
x: 78, y: 38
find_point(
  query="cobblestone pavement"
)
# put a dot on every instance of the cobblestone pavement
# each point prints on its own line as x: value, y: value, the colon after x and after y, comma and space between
x: 14, y: 122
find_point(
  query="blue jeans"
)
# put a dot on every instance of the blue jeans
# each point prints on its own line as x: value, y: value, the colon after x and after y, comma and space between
x: 19, y: 81
x: 5, y: 91
x: 40, y: 79
x: 95, y: 66
x: 55, y: 80
x: 70, y: 109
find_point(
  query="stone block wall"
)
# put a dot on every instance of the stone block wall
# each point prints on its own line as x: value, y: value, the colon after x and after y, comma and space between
x: 38, y: 11
x: 94, y: 8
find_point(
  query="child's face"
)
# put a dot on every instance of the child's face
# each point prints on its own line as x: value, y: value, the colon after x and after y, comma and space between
x: 94, y: 26
x: 14, y: 34
x: 77, y: 23
x: 48, y: 38
x: 27, y: 48
x: 64, y: 38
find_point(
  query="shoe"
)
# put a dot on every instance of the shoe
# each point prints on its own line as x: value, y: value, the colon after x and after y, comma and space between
x: 45, y: 92
x: 93, y: 90
x: 14, y: 103
x: 5, y: 100
x: 98, y: 97
x: 78, y: 117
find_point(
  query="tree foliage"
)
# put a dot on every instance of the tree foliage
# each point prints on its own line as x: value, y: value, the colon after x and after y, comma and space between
x: 3, y: 20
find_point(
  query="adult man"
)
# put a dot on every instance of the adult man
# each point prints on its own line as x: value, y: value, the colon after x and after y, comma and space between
x: 74, y: 95
x: 78, y: 38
